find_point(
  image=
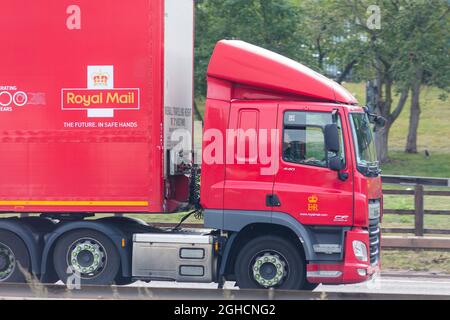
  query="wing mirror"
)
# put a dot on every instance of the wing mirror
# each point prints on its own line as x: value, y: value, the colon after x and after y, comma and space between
x: 332, y: 138
x: 332, y: 145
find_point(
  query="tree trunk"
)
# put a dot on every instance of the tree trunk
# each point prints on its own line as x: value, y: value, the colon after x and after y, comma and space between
x: 382, y: 144
x: 411, y: 143
x: 384, y: 108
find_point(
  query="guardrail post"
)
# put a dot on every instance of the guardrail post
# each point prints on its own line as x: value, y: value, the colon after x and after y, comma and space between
x: 419, y: 210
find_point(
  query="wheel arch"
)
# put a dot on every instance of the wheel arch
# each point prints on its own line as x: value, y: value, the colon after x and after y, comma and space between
x: 108, y: 229
x: 251, y: 231
x: 29, y: 237
x: 238, y: 223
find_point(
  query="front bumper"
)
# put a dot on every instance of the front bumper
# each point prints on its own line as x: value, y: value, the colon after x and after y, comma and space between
x: 350, y: 270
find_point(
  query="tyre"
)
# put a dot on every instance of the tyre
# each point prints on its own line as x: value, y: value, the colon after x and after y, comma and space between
x: 13, y: 253
x: 270, y: 262
x: 123, y: 281
x: 308, y: 286
x: 86, y: 256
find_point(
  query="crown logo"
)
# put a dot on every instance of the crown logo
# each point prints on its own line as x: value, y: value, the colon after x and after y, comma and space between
x: 313, y: 199
x: 100, y: 79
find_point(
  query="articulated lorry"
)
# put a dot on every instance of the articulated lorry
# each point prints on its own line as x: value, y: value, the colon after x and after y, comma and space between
x: 96, y: 121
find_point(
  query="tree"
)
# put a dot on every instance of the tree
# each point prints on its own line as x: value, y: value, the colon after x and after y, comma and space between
x: 425, y: 39
x: 268, y: 23
x: 410, y: 49
x: 384, y: 58
x: 329, y: 38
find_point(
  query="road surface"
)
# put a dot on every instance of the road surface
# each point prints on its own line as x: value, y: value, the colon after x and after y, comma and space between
x: 383, y: 287
x: 382, y: 284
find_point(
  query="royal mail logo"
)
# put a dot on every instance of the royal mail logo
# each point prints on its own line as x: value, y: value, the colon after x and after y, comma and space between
x: 100, y: 99
x: 313, y: 203
x: 100, y: 79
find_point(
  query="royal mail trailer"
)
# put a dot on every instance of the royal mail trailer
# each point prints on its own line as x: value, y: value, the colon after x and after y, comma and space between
x: 90, y: 95
x: 96, y: 118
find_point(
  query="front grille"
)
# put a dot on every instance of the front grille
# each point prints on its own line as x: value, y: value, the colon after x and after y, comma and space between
x: 374, y: 240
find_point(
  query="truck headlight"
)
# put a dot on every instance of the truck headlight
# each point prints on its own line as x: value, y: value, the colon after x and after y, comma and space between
x: 360, y: 250
x: 374, y: 209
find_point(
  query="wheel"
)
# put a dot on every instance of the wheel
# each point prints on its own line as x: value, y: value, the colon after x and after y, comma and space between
x: 122, y: 281
x: 86, y: 256
x: 13, y: 253
x: 270, y: 262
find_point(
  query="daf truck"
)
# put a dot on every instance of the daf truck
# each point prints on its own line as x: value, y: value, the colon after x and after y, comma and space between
x: 96, y: 123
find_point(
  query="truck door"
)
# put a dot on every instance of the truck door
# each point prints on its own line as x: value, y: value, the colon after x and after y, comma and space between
x: 249, y: 177
x: 306, y: 188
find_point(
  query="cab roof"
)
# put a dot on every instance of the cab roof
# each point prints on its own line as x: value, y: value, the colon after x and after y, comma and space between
x: 243, y: 63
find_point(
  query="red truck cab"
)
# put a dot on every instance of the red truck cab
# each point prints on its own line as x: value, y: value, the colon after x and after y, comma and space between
x: 269, y: 166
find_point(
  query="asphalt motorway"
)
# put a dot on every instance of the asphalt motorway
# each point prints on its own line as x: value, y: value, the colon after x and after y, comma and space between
x: 381, y: 285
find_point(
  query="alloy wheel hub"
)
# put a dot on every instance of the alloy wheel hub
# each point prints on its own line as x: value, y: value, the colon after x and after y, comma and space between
x: 7, y: 262
x: 269, y: 270
x: 87, y: 257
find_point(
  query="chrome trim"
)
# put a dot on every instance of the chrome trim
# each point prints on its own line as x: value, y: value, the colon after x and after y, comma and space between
x: 323, y: 274
x: 374, y: 209
x: 327, y: 248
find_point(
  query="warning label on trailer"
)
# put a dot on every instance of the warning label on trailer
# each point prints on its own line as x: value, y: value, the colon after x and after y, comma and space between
x: 100, y: 99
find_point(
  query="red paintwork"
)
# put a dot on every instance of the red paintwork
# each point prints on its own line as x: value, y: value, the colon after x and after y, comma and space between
x: 243, y: 63
x: 213, y: 175
x: 295, y: 183
x: 349, y: 266
x: 364, y: 190
x: 232, y: 93
x: 265, y: 86
x: 245, y: 181
x: 41, y: 159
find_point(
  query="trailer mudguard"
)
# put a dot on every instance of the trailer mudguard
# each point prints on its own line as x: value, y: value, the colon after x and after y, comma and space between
x: 29, y: 237
x: 109, y: 229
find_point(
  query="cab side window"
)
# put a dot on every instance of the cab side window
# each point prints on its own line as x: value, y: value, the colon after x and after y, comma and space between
x: 304, y: 140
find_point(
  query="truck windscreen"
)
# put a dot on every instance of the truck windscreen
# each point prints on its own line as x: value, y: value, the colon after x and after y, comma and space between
x: 364, y: 142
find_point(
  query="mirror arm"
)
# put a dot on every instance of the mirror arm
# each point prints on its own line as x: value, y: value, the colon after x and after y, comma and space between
x: 335, y: 115
x: 372, y: 116
x: 343, y: 176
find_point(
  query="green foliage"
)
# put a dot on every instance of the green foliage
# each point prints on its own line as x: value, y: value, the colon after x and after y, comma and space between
x: 433, y: 132
x: 327, y: 32
x: 411, y: 46
x: 267, y: 23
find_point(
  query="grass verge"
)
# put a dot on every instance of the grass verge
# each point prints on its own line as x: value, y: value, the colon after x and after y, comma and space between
x: 416, y: 260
